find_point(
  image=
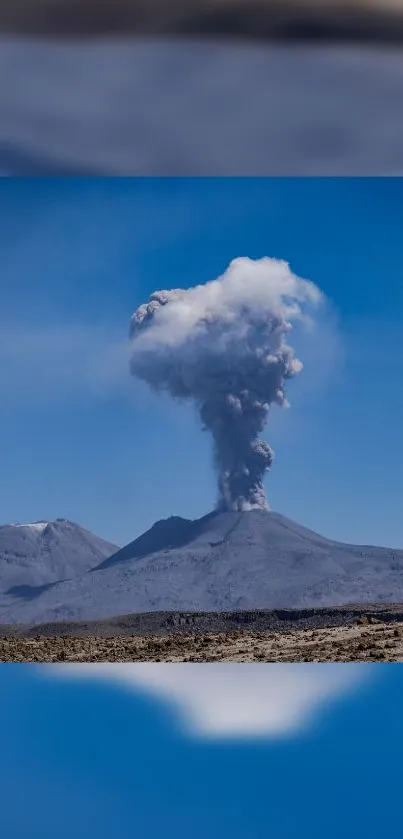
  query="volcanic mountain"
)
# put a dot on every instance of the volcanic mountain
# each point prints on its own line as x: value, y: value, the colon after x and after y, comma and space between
x: 35, y: 556
x: 221, y: 562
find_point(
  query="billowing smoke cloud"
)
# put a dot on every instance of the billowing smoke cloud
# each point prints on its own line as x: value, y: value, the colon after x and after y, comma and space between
x: 223, y: 346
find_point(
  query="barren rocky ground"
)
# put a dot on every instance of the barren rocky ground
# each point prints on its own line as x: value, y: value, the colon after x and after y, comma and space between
x: 363, y: 642
x: 347, y: 634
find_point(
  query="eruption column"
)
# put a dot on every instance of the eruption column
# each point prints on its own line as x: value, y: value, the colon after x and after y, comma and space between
x: 223, y: 346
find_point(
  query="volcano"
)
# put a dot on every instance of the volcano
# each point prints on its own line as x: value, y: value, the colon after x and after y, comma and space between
x: 35, y: 556
x: 221, y: 562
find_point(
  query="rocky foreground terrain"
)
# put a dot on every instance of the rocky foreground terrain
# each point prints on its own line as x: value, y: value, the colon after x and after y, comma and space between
x: 349, y: 634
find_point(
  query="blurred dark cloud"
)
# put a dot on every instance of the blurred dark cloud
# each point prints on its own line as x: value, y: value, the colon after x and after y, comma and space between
x: 306, y: 19
x: 208, y: 87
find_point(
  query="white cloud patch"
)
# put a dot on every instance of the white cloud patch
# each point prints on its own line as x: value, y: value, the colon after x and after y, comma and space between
x: 234, y: 700
x: 264, y: 284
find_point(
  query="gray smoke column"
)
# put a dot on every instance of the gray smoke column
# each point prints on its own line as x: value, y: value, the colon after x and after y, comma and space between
x: 223, y: 346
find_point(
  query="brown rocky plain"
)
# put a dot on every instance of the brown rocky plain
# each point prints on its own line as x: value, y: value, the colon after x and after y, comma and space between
x: 370, y: 633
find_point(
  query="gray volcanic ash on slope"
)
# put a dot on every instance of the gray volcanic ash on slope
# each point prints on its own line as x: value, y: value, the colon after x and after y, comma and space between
x: 223, y: 346
x: 36, y: 555
x: 223, y: 562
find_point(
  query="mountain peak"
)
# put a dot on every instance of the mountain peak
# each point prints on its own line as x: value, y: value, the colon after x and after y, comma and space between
x: 165, y: 534
x: 41, y: 525
x: 176, y: 532
x: 36, y: 554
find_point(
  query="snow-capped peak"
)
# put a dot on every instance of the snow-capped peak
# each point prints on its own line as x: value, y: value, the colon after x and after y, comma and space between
x: 38, y: 526
x: 34, y: 554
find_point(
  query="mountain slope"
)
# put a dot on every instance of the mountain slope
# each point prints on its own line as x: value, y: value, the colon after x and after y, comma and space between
x: 222, y: 562
x: 40, y: 554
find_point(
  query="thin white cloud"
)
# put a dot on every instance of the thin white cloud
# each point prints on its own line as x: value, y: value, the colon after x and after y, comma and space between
x: 41, y: 361
x: 233, y: 700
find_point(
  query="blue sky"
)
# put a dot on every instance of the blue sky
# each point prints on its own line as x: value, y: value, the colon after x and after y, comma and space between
x: 79, y: 439
x: 86, y: 759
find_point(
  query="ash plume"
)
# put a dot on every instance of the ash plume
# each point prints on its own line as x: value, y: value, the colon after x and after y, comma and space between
x: 223, y: 346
